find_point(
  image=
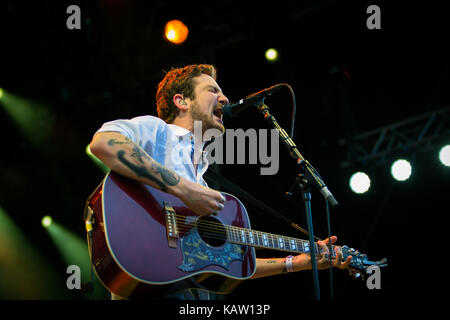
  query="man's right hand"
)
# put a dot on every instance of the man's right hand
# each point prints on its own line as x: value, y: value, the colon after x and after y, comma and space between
x: 200, y: 199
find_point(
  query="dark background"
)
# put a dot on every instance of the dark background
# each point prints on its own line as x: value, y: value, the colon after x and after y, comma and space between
x: 347, y: 80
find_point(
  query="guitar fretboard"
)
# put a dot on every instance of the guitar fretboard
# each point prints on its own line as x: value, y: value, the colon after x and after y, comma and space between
x: 260, y: 239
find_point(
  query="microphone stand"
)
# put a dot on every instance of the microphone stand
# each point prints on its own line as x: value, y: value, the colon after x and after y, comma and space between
x: 309, y: 176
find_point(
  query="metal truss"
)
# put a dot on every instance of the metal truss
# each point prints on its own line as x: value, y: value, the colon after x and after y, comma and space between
x: 413, y: 135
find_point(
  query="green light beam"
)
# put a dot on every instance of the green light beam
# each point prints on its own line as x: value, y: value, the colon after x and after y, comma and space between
x: 32, y: 117
x: 24, y: 272
x: 72, y: 248
x: 74, y: 251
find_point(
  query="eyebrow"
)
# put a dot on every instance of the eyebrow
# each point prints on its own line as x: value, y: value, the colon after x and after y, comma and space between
x: 214, y: 87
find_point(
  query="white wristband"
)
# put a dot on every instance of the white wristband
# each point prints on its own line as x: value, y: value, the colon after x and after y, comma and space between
x: 288, y: 262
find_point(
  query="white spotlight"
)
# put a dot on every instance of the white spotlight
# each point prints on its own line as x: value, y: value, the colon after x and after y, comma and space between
x: 401, y: 170
x: 444, y: 155
x: 359, y: 182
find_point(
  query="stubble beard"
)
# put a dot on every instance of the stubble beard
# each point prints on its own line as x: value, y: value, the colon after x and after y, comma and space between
x: 207, y: 121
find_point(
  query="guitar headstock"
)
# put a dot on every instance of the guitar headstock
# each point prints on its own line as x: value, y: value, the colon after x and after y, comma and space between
x: 359, y: 264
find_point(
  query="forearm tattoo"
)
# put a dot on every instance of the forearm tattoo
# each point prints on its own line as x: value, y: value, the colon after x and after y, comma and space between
x: 168, y: 177
x: 284, y: 270
x: 137, y: 152
x: 114, y: 141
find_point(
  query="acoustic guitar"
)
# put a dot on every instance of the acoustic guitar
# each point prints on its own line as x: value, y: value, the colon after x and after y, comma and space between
x: 142, y: 240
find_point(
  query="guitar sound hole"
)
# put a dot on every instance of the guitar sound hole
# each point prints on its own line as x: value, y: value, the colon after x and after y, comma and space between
x: 212, y: 231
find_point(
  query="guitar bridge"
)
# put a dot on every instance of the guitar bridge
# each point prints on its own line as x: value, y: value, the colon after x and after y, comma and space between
x: 171, y: 224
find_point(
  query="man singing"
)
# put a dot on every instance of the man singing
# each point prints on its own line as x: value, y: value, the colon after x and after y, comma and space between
x: 160, y: 152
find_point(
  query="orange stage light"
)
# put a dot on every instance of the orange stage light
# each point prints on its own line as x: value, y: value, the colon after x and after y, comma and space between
x: 176, y: 31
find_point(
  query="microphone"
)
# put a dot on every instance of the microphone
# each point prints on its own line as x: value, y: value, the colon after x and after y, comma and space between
x: 232, y: 109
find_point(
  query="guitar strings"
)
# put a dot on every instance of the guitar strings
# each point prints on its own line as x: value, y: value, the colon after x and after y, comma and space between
x: 217, y: 230
x: 214, y: 225
x: 212, y: 232
x: 238, y: 240
x: 217, y: 226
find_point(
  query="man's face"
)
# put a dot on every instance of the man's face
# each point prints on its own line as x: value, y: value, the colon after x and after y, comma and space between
x: 208, y: 103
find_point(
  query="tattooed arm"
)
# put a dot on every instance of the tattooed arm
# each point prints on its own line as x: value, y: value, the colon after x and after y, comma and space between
x: 300, y: 262
x: 125, y: 157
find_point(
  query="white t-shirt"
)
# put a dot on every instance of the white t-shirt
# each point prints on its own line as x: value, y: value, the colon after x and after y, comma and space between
x: 168, y: 144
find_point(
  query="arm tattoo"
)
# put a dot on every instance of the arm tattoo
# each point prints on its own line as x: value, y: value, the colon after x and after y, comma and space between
x: 168, y: 177
x: 138, y: 154
x: 140, y: 171
x: 275, y: 261
x: 114, y: 141
x: 137, y: 151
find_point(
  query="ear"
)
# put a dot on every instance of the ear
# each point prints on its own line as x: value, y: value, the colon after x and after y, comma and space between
x: 180, y: 102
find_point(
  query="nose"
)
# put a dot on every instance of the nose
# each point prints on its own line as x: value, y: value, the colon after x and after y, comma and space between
x: 223, y: 99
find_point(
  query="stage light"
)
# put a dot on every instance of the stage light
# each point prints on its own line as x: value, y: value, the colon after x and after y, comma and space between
x: 271, y: 55
x: 401, y: 170
x: 32, y: 117
x: 74, y: 251
x: 1, y: 92
x: 72, y: 248
x: 444, y: 155
x: 25, y: 273
x: 46, y: 221
x: 359, y: 182
x: 176, y: 31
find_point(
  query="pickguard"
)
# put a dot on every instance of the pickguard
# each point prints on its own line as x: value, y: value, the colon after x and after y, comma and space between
x: 197, y: 254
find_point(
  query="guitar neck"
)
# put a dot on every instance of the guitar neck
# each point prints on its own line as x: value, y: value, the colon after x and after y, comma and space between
x: 270, y: 241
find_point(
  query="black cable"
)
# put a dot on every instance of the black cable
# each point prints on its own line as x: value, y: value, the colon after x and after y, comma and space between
x: 214, y: 177
x: 294, y: 110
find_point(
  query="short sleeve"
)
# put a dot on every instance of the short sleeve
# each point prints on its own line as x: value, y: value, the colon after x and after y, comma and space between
x: 145, y: 131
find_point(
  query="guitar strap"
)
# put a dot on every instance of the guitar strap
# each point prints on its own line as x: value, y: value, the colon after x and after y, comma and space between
x: 212, y: 177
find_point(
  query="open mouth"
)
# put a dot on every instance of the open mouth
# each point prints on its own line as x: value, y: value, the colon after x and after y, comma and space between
x: 218, y: 113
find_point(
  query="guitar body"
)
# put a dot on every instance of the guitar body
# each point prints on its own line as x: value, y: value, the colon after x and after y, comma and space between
x: 134, y: 256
